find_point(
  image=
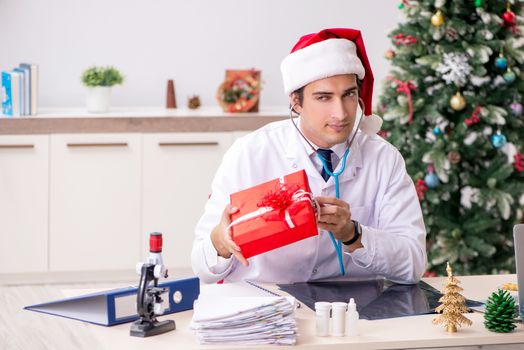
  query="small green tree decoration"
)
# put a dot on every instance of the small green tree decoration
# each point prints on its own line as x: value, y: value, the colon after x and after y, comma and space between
x: 501, y: 313
x: 102, y: 76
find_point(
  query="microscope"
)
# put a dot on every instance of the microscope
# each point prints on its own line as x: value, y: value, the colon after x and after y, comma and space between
x: 149, y: 296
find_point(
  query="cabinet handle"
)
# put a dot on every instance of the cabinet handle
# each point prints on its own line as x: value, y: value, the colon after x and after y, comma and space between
x: 109, y: 144
x: 18, y: 146
x: 169, y: 144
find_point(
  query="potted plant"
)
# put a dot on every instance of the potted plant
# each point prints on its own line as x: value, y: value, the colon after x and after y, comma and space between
x: 99, y: 81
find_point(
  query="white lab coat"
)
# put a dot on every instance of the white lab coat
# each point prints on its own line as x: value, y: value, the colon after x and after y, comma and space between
x: 375, y: 183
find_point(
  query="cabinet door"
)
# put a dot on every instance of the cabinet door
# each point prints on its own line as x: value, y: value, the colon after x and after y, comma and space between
x: 178, y: 170
x: 95, y: 201
x: 24, y: 175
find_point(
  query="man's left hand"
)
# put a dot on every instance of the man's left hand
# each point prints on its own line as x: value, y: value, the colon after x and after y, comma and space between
x: 335, y: 216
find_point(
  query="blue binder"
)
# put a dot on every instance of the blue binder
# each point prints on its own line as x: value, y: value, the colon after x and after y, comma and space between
x: 118, y: 306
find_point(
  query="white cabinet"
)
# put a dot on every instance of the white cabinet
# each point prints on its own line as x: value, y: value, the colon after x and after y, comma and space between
x: 177, y: 172
x: 24, y: 169
x: 87, y: 202
x: 94, y: 212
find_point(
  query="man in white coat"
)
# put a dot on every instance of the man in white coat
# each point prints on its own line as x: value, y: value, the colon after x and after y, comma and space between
x: 377, y: 217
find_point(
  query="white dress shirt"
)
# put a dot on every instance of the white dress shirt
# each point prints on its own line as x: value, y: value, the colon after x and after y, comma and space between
x: 375, y: 183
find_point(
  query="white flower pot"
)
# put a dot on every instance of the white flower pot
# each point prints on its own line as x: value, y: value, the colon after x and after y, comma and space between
x: 98, y: 99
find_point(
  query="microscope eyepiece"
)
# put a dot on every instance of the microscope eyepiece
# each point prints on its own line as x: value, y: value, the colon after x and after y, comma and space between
x: 155, y: 242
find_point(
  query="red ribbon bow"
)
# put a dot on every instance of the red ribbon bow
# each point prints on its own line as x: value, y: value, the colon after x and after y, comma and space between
x: 281, y: 199
x: 405, y: 87
x: 474, y: 117
x: 519, y: 162
x: 401, y: 39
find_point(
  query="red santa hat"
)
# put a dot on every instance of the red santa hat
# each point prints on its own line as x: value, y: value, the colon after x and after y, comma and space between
x: 328, y: 53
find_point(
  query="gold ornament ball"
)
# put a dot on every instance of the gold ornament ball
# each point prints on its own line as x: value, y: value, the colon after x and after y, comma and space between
x: 437, y: 19
x: 457, y: 102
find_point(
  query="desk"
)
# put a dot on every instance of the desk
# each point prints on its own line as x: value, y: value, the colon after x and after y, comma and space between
x: 21, y: 329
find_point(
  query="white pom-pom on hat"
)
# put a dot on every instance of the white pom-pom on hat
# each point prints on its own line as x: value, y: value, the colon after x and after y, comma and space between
x: 371, y: 124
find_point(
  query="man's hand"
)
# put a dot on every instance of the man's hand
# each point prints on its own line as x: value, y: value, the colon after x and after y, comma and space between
x: 335, y: 216
x: 221, y: 237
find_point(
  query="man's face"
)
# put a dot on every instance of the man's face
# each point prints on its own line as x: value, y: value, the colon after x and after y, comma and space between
x: 328, y: 110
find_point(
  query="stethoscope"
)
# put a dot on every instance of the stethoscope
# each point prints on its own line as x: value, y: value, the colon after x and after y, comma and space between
x: 336, y: 244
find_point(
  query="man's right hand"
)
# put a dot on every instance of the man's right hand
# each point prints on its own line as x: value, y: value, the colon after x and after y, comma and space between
x: 221, y: 237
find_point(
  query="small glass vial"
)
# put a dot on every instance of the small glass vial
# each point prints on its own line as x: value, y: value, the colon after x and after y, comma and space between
x: 339, y: 319
x: 322, y: 310
x: 352, y: 319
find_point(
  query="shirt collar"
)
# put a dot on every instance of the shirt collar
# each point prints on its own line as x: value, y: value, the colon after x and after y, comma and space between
x: 297, y: 147
x: 338, y: 149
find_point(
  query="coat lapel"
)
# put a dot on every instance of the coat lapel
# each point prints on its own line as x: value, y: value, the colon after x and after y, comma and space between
x: 298, y: 155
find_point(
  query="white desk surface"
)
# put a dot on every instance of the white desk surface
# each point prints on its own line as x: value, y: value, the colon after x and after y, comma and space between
x: 20, y: 329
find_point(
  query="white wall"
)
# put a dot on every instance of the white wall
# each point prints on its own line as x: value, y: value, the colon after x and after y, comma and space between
x: 192, y: 41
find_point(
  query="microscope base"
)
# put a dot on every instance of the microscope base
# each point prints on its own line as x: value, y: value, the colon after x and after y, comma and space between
x: 148, y: 329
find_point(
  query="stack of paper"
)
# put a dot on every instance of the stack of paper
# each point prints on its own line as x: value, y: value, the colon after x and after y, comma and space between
x: 245, y: 320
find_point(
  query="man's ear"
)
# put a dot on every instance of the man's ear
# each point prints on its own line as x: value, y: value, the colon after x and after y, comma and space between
x: 295, y: 103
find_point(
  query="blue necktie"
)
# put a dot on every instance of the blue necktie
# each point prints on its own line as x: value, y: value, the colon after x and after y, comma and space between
x: 326, y: 155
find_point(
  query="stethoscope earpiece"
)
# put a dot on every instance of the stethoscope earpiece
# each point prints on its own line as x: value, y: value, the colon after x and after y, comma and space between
x: 292, y: 110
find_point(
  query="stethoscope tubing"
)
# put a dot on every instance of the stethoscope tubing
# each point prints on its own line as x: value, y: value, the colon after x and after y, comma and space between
x: 336, y: 244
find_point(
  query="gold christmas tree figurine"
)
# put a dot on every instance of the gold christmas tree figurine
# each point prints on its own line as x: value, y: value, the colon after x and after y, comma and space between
x: 453, y: 305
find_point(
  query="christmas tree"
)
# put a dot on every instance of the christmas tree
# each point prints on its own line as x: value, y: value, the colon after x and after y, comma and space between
x: 452, y: 106
x: 453, y: 305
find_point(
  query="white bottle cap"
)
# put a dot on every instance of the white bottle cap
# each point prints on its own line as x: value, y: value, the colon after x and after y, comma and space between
x: 322, y: 305
x: 352, y: 306
x: 339, y: 305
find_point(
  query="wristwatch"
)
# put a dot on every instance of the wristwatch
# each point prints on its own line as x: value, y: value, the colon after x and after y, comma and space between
x: 358, y: 233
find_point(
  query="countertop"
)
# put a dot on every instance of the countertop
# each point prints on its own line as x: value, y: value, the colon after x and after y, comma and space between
x: 139, y: 120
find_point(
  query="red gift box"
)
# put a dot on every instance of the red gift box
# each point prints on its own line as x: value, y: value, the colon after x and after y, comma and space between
x: 273, y: 214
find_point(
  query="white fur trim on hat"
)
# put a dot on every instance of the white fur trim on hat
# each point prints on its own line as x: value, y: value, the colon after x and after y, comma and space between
x: 318, y: 61
x: 371, y: 124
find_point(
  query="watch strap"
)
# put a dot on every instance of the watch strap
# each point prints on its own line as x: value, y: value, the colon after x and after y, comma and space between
x: 358, y: 233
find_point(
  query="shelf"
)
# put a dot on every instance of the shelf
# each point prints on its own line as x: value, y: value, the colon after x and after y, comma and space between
x: 140, y: 120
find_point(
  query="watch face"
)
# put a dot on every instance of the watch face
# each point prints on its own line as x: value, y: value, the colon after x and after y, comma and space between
x: 358, y: 227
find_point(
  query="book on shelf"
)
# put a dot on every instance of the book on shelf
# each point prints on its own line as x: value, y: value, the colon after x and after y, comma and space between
x: 33, y: 86
x: 19, y: 92
x: 11, y: 94
x: 26, y: 71
x: 23, y: 93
